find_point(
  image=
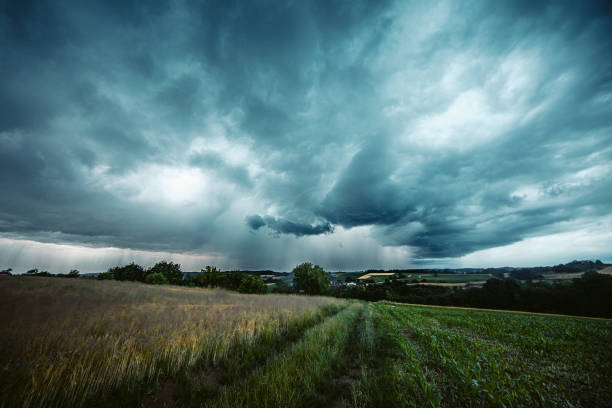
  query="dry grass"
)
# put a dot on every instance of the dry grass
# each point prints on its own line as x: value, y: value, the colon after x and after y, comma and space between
x: 65, y: 340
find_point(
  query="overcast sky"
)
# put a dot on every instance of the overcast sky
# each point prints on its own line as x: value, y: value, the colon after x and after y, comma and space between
x: 350, y: 134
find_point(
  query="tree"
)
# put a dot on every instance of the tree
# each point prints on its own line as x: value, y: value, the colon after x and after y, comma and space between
x: 210, y: 276
x: 313, y: 280
x: 32, y: 271
x: 171, y: 271
x: 156, y: 278
x: 232, y: 280
x: 130, y: 272
x: 74, y: 273
x: 253, y: 284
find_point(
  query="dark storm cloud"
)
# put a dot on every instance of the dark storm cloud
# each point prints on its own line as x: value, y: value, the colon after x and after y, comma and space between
x: 447, y: 127
x: 282, y: 226
x: 255, y: 221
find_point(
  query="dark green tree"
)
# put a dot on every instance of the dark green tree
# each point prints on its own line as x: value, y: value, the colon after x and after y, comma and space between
x: 74, y: 273
x: 171, y: 271
x: 209, y: 277
x: 253, y: 284
x: 131, y: 272
x: 313, y: 280
x: 232, y: 280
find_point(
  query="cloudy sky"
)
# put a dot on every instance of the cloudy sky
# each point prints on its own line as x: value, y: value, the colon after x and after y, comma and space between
x: 350, y: 134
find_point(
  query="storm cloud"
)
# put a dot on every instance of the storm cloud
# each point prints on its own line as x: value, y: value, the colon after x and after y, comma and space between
x: 282, y: 226
x: 269, y: 133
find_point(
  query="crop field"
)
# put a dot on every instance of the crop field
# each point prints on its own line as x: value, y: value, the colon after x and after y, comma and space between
x: 72, y: 342
x: 448, y: 284
x: 562, y: 276
x: 454, y: 278
x: 436, y: 356
x: 77, y: 342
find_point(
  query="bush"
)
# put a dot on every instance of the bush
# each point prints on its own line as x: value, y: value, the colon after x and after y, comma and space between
x: 253, y: 284
x: 156, y: 279
x: 106, y: 276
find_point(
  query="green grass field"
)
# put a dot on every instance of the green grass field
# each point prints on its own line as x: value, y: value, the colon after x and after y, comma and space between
x: 68, y: 342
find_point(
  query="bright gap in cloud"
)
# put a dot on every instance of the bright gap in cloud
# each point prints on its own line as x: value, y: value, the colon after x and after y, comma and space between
x: 160, y: 185
x: 545, y: 250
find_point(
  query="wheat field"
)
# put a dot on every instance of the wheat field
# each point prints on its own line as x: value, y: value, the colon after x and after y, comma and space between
x: 66, y: 341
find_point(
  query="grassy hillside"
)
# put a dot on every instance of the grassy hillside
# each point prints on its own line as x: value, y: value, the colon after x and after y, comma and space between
x: 100, y: 343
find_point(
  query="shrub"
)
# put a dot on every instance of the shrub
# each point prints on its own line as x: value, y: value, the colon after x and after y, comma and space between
x: 252, y: 284
x: 156, y: 279
x: 106, y: 276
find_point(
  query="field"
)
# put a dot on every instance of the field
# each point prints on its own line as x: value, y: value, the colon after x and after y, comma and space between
x: 562, y: 276
x: 451, y: 277
x: 443, y: 279
x: 73, y: 342
x: 448, y: 284
x: 436, y: 356
x: 64, y: 341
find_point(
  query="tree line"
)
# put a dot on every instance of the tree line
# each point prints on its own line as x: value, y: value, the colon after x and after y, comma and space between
x: 590, y: 295
x: 307, y: 278
x: 74, y: 273
x: 164, y: 272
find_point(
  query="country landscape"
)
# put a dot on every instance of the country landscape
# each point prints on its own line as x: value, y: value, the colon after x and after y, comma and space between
x: 305, y: 203
x: 210, y: 339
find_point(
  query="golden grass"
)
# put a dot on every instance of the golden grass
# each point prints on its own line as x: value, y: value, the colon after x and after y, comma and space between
x: 65, y: 340
x: 376, y: 274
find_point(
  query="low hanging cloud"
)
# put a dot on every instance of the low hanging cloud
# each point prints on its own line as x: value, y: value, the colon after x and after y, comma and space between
x: 283, y: 226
